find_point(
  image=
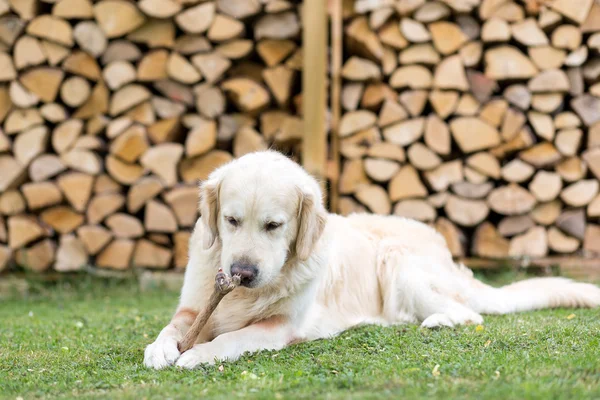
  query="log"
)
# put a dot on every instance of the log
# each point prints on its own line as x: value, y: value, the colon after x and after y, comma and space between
x: 83, y: 161
x: 124, y: 226
x: 212, y: 66
x: 150, y: 255
x: 353, y: 176
x: 163, y: 160
x: 571, y: 169
x: 419, y: 210
x: 443, y: 102
x: 507, y: 62
x: 37, y: 258
x: 461, y: 129
x: 103, y: 205
x: 419, y: 54
x: 131, y: 144
x: 159, y: 218
x: 541, y: 155
x: 511, y: 200
x: 21, y: 97
x: 159, y: 8
x: 471, y: 190
x: 405, y: 132
x: 422, y: 158
x: 90, y: 38
x: 489, y: 243
x: 62, y: 219
x: 542, y: 125
x: 447, y: 37
x: 246, y: 94
x: 52, y: 28
x: 117, y: 18
x: 247, y: 141
x: 380, y: 170
x: 71, y: 254
x: 406, y: 184
x: 94, y: 238
x: 13, y: 173
x: 375, y: 198
x: 123, y: 172
x: 414, y: 101
x: 580, y: 193
x: 181, y: 70
x: 533, y: 243
x: 360, y: 69
x: 44, y: 82
x: 65, y: 135
x: 386, y: 151
x: 224, y: 28
x: 561, y: 243
x: 142, y: 191
x: 30, y: 144
x: 117, y: 255
x: 572, y: 222
x: 466, y: 212
x: 546, y: 213
x: 446, y: 174
x: 545, y: 186
x: 196, y: 169
x: 511, y: 226
x: 591, y: 241
x: 517, y: 171
x: 41, y: 194
x: 184, y: 203
x: 42, y: 168
x: 355, y: 121
x: 23, y: 230
x: 512, y: 124
x: 11, y: 203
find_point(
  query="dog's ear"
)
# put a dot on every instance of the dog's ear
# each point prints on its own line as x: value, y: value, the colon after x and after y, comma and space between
x: 209, y: 209
x: 311, y: 222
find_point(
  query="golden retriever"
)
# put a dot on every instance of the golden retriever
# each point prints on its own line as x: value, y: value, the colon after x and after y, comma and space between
x: 307, y: 274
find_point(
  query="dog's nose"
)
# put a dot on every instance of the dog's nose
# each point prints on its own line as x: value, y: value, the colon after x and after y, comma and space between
x: 246, y: 271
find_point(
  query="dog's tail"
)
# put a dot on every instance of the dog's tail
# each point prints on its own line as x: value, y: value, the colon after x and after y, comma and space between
x: 535, y: 294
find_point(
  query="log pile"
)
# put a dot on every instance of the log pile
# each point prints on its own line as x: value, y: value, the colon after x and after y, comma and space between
x: 112, y: 110
x: 480, y: 117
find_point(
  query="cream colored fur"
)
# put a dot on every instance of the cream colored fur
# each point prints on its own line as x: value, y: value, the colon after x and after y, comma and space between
x: 320, y: 274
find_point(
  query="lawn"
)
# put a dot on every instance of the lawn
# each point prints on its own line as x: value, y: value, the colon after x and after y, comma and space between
x: 87, y: 340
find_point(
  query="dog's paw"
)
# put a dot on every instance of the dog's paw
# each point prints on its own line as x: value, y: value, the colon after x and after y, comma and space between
x: 162, y: 353
x: 436, y: 321
x: 196, y: 356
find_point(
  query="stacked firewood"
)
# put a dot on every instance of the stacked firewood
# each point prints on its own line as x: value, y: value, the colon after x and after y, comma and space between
x: 113, y: 110
x: 481, y: 117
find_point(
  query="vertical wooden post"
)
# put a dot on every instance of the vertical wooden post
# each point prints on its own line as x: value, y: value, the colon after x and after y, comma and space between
x: 314, y: 100
x: 335, y: 100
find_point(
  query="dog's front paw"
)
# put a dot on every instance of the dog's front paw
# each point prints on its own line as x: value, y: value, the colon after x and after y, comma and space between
x: 162, y: 353
x: 197, y: 355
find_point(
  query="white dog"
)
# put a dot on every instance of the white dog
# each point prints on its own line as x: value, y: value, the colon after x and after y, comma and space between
x: 308, y: 274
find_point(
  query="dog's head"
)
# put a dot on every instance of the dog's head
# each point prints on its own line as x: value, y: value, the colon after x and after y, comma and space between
x: 261, y: 209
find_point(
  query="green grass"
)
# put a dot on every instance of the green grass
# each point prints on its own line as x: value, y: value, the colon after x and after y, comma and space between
x: 88, y: 342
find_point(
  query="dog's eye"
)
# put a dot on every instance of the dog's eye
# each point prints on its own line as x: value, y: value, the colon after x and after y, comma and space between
x: 271, y: 226
x: 232, y: 221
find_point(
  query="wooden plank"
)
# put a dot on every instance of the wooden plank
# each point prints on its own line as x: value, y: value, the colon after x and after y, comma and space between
x: 314, y: 103
x: 337, y: 22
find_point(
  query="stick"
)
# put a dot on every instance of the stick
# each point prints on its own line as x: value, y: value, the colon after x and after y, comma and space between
x: 223, y: 285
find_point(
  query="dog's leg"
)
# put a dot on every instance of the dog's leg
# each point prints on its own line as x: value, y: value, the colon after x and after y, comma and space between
x: 271, y: 334
x: 198, y: 284
x: 413, y: 291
